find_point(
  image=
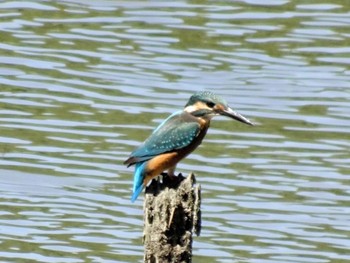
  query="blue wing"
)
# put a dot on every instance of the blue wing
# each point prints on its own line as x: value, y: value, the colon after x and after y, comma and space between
x: 176, y: 132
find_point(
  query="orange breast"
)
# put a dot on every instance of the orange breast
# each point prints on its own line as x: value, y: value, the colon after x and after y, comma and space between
x: 160, y: 163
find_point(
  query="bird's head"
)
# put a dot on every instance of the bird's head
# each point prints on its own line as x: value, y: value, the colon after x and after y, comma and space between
x: 205, y: 104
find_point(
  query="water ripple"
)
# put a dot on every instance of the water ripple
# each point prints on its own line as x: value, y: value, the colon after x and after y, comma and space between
x: 83, y: 83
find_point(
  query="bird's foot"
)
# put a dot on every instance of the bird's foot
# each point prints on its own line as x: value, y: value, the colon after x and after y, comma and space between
x: 180, y: 177
x: 172, y: 180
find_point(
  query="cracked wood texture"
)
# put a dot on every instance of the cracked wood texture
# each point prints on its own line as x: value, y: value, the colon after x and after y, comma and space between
x: 171, y: 216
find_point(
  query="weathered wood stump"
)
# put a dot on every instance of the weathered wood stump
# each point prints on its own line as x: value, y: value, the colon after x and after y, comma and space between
x: 171, y: 215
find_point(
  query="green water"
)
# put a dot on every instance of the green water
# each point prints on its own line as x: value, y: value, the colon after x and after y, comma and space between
x: 83, y: 83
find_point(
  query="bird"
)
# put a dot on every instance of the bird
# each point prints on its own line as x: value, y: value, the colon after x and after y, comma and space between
x: 176, y: 137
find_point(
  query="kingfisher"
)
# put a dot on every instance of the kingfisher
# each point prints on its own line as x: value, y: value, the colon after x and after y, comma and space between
x: 176, y: 137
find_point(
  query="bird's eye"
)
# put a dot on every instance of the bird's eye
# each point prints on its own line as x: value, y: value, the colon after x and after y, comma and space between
x: 210, y: 104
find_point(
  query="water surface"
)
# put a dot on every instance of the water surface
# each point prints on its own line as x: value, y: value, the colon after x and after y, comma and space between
x: 82, y: 84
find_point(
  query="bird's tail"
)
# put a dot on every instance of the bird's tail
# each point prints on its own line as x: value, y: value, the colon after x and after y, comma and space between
x: 139, y: 176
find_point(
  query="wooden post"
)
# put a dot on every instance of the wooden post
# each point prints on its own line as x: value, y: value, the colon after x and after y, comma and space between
x: 171, y: 215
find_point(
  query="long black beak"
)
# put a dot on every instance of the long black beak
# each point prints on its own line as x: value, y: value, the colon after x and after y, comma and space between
x: 235, y: 115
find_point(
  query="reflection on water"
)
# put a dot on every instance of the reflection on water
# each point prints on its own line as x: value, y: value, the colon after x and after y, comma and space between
x: 82, y: 84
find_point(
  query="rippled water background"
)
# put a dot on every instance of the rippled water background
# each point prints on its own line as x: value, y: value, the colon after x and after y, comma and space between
x: 84, y: 82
